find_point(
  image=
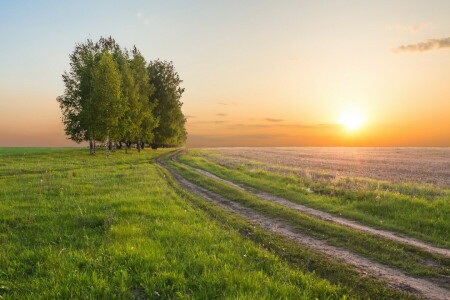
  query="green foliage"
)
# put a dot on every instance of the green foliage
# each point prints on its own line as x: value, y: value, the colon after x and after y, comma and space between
x: 145, y: 118
x: 106, y: 97
x: 128, y: 125
x: 166, y: 81
x: 129, y: 101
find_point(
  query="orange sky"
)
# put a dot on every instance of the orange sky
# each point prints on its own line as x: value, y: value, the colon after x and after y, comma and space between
x: 259, y: 73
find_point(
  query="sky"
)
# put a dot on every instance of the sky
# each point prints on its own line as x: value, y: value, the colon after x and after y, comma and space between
x: 256, y: 73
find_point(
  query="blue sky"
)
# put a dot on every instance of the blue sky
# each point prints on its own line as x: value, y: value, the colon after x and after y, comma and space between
x: 297, y: 61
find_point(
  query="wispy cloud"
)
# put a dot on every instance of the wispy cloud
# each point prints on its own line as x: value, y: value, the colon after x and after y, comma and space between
x: 221, y: 115
x: 300, y: 126
x: 428, y: 45
x: 210, y: 122
x: 227, y: 103
x: 409, y: 28
x: 274, y: 120
x: 189, y: 116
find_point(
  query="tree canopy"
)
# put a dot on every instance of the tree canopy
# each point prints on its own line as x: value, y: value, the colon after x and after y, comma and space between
x: 113, y: 96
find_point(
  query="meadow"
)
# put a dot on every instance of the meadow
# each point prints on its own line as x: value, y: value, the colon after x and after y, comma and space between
x: 75, y: 226
x: 79, y: 226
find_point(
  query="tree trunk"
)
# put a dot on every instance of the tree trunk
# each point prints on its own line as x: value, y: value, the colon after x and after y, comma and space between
x: 126, y: 147
x: 91, y: 143
x: 91, y: 147
x: 139, y: 145
x: 107, y: 145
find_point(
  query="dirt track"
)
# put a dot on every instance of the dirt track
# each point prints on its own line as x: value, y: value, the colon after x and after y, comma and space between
x: 328, y: 217
x: 393, y: 277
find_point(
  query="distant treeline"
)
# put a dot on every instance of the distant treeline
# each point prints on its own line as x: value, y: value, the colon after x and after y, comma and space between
x: 114, y: 97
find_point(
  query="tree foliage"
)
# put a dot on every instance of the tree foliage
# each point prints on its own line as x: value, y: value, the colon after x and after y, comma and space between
x: 113, y: 96
x: 170, y: 129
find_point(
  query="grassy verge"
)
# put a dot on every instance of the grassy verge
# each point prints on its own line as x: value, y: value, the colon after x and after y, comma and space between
x: 84, y: 227
x: 294, y: 253
x: 388, y: 252
x: 421, y: 212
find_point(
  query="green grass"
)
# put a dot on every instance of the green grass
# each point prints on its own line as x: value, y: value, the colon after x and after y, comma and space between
x: 407, y: 258
x: 29, y: 150
x: 418, y: 211
x: 296, y: 254
x: 73, y: 226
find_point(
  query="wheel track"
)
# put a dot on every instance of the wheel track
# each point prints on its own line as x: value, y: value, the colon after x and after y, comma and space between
x: 324, y: 215
x: 393, y: 278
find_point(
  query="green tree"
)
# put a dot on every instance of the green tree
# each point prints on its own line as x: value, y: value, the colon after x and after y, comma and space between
x: 127, y: 127
x: 143, y: 114
x: 166, y: 81
x: 106, y: 95
x: 110, y: 97
x: 76, y: 103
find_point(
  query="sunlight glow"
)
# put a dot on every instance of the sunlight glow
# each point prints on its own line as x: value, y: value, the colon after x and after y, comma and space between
x: 351, y: 120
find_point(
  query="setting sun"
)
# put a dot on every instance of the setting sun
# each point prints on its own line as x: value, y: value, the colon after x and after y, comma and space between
x: 351, y: 120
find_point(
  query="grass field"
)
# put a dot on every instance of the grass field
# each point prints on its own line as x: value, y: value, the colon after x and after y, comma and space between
x: 29, y: 150
x: 77, y: 226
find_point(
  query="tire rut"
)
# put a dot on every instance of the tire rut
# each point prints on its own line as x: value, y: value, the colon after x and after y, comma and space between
x: 326, y: 216
x: 392, y: 277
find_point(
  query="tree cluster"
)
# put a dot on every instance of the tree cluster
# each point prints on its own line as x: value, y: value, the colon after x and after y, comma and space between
x: 114, y: 97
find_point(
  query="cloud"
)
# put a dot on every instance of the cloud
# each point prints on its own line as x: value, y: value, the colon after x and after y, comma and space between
x: 209, y: 122
x: 189, y: 116
x: 238, y: 138
x: 301, y: 126
x: 221, y: 115
x: 428, y: 45
x: 313, y: 126
x: 409, y: 28
x: 274, y: 120
x: 227, y: 103
x: 240, y: 125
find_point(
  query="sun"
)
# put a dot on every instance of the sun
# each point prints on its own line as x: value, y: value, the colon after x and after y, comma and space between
x: 351, y: 119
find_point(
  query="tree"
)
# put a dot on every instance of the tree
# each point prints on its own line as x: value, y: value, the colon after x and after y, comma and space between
x: 110, y: 97
x: 127, y: 127
x: 106, y: 96
x: 171, y: 126
x: 143, y: 115
x: 75, y: 104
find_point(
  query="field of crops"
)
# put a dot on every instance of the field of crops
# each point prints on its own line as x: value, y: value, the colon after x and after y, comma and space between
x: 418, y: 165
x: 208, y: 224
